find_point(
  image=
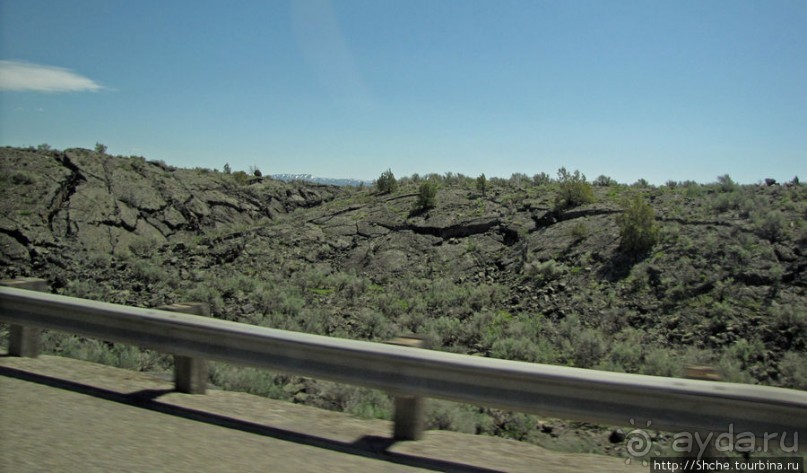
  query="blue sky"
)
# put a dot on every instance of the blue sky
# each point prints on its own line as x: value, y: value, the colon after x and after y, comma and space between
x: 654, y: 89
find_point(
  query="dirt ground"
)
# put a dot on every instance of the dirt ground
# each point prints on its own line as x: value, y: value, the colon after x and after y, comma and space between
x: 60, y: 414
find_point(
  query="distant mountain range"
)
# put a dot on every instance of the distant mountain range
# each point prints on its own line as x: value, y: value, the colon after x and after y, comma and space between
x: 319, y: 180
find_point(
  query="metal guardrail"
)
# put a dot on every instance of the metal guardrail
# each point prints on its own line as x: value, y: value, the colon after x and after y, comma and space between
x: 571, y: 393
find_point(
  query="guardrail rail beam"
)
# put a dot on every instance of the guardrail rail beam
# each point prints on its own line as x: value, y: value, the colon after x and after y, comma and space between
x: 25, y: 341
x: 672, y: 404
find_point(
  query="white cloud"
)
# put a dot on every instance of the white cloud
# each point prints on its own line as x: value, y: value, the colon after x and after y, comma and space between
x: 16, y: 76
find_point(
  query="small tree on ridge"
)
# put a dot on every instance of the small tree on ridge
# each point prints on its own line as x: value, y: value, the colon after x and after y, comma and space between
x: 386, y: 183
x: 427, y: 196
x: 573, y: 191
x: 638, y: 231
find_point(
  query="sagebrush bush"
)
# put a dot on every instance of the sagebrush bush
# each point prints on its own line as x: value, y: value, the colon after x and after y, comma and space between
x: 541, y: 179
x: 604, y: 181
x: 770, y: 225
x: 482, y: 184
x: 246, y: 379
x: 427, y: 196
x: 113, y: 354
x: 793, y: 370
x: 545, y: 271
x: 23, y: 178
x: 445, y: 415
x: 361, y: 402
x: 144, y: 246
x: 510, y: 348
x: 386, y: 182
x: 726, y: 183
x: 204, y: 293
x: 579, y: 231
x: 573, y: 191
x: 661, y: 362
x: 240, y: 177
x: 638, y: 231
x: 588, y: 348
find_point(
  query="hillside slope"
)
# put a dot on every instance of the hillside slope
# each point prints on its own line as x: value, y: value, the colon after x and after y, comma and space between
x: 84, y: 201
x: 504, y: 274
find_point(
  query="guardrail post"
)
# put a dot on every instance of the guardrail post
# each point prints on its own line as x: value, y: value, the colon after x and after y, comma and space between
x: 25, y: 341
x: 190, y: 374
x: 703, y: 440
x: 409, y: 410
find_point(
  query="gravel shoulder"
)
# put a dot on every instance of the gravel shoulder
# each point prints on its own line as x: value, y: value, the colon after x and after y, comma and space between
x: 60, y: 414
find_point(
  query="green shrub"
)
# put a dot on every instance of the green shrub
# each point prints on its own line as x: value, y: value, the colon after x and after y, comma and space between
x: 204, y: 293
x: 731, y: 370
x: 241, y: 178
x: 112, y: 354
x: 427, y: 196
x: 249, y: 380
x: 574, y: 190
x: 482, y: 184
x: 662, y: 362
x: 604, y: 181
x: 793, y: 370
x: 541, y: 179
x: 23, y: 178
x: 590, y: 347
x: 737, y: 200
x: 545, y: 271
x: 770, y: 225
x: 361, y: 402
x: 148, y: 272
x: 790, y: 322
x: 725, y: 183
x: 638, y: 231
x: 386, y: 183
x: 444, y: 415
x: 579, y: 231
x: 372, y: 325
x: 692, y: 189
x: 519, y: 349
x: 517, y: 178
x: 518, y: 426
x: 144, y: 247
x: 627, y: 354
x: 444, y: 331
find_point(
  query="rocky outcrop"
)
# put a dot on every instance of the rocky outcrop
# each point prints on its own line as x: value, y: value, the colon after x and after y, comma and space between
x: 99, y: 203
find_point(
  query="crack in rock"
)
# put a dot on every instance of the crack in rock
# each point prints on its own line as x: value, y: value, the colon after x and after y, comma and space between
x: 552, y: 217
x: 61, y: 199
x: 462, y: 230
x: 23, y: 240
x: 327, y: 218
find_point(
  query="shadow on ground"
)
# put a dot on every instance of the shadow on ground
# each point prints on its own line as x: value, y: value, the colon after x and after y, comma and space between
x: 368, y: 446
